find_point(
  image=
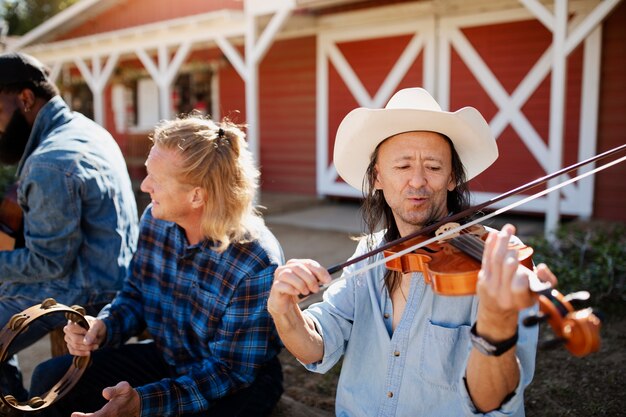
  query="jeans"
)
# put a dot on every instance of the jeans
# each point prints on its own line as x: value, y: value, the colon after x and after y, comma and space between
x: 10, y: 374
x: 140, y: 364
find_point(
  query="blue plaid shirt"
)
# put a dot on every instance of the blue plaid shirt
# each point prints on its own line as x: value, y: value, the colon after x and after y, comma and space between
x: 205, y: 310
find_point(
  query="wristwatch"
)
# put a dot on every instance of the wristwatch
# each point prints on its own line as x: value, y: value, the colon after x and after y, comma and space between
x: 492, y: 349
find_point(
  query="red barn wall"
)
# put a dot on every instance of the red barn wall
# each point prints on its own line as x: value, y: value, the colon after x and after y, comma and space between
x: 516, y: 164
x: 287, y: 116
x: 232, y: 100
x: 287, y: 96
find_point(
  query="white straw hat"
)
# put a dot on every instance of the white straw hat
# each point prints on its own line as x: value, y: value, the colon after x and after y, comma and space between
x: 411, y: 109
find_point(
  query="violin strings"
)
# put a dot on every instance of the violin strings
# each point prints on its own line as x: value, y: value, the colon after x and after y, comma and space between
x: 469, y: 244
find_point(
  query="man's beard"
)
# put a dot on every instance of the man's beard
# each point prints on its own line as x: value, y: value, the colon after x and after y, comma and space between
x: 13, y: 140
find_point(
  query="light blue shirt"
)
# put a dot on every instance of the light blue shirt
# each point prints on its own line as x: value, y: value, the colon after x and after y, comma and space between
x: 416, y: 370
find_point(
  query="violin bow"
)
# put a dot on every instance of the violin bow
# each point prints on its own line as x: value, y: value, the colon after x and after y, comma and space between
x: 432, y: 228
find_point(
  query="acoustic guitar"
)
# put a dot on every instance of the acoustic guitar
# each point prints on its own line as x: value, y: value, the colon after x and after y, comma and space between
x: 11, y: 221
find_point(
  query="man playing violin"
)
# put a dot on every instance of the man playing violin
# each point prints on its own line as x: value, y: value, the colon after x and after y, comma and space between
x: 199, y: 283
x: 407, y: 351
x: 78, y: 205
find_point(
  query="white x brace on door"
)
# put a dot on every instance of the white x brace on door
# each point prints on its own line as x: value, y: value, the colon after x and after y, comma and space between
x: 435, y: 38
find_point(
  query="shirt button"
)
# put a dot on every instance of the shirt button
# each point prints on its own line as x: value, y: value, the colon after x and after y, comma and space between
x: 390, y: 394
x: 386, y: 315
x: 396, y: 353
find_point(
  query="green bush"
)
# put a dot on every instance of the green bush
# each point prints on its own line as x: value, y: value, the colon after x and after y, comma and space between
x: 7, y: 177
x: 587, y: 256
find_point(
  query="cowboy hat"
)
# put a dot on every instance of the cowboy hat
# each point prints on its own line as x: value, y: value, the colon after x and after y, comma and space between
x: 411, y: 109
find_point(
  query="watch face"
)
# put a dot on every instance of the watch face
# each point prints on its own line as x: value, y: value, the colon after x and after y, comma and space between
x: 482, y: 345
x: 487, y: 348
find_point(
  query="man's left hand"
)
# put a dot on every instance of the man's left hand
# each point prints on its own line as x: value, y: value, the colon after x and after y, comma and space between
x: 503, y: 286
x: 123, y: 401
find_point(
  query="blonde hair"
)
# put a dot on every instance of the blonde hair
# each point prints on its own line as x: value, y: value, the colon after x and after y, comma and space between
x: 215, y: 157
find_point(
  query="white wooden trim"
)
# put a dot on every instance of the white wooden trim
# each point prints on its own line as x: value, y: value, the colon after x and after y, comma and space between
x: 255, y: 49
x: 541, y: 13
x: 593, y: 20
x: 197, y: 28
x: 265, y: 7
x: 216, y: 113
x: 510, y: 106
x: 328, y: 53
x: 535, y: 206
x: 55, y: 71
x: 252, y: 89
x: 118, y: 106
x: 269, y: 33
x: 557, y: 111
x: 496, y: 92
x: 232, y: 55
x: 55, y: 21
x: 164, y: 73
x: 430, y: 59
x: 443, y: 61
x: 171, y: 68
x: 349, y: 76
x: 589, y: 106
x: 96, y: 79
x: 322, y: 185
x: 576, y: 199
x: 365, y: 24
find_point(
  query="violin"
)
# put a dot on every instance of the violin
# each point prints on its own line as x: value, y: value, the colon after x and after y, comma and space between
x: 451, y: 267
x: 578, y: 330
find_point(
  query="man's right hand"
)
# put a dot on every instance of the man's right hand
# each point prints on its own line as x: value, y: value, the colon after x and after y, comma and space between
x: 298, y: 333
x: 81, y: 342
x: 297, y: 276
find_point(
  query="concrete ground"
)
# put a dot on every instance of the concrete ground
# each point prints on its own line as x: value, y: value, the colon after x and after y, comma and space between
x: 307, y: 227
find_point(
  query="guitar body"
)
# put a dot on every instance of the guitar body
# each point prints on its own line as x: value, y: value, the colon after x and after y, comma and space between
x: 11, y: 221
x: 6, y: 242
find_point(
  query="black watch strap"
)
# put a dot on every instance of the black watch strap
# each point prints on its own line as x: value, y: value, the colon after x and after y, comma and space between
x: 492, y: 349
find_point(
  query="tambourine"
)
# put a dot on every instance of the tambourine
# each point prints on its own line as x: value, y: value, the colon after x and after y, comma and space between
x: 19, y: 324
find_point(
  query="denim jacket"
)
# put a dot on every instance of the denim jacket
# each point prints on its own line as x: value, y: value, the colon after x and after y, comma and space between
x: 80, y: 214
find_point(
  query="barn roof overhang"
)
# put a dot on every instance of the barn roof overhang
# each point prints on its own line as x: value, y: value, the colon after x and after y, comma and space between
x: 199, y: 29
x: 224, y: 23
x: 68, y: 19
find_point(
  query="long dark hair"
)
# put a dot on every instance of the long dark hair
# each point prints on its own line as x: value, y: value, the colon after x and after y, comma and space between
x: 377, y: 214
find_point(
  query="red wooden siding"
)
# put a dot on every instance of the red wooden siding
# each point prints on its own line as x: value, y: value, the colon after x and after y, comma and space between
x: 232, y: 99
x: 287, y: 116
x: 140, y: 12
x: 510, y: 50
x: 610, y: 198
x: 287, y: 94
x: 371, y: 60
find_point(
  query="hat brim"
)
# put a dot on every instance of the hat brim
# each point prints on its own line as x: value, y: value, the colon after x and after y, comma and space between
x: 362, y: 130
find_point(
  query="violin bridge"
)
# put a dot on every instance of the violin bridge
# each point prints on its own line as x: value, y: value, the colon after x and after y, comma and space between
x: 445, y: 228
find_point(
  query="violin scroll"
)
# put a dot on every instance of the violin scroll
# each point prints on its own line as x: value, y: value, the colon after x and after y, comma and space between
x: 577, y: 330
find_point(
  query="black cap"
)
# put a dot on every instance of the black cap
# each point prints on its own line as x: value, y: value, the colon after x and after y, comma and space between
x: 18, y: 68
